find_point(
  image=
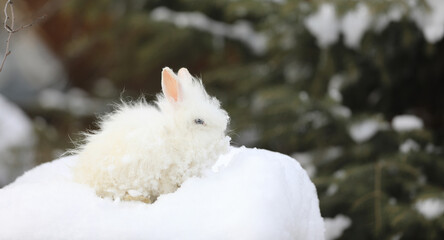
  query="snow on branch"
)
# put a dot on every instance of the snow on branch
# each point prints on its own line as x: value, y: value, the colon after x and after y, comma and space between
x: 241, y: 30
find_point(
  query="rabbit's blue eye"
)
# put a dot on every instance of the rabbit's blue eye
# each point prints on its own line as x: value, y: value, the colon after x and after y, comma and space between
x: 199, y: 121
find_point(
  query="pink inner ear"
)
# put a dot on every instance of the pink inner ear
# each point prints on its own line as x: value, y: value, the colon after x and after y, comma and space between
x: 170, y: 86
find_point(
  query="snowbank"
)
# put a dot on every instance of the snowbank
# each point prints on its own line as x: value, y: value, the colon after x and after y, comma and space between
x: 248, y: 194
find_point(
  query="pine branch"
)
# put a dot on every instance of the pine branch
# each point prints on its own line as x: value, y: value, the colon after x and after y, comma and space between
x: 378, y: 216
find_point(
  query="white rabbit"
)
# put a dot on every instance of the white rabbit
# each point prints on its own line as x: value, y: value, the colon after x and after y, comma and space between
x: 144, y: 150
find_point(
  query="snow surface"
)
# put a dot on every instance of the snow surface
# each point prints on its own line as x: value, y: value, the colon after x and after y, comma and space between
x: 16, y: 142
x: 240, y: 30
x: 403, y: 123
x: 334, y: 227
x: 249, y: 194
x: 430, y: 208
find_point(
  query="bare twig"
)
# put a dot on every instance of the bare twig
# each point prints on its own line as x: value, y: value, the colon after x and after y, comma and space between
x: 11, y: 28
x: 8, y: 29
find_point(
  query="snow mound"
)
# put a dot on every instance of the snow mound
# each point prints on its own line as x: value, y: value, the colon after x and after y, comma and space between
x: 16, y: 142
x: 248, y: 194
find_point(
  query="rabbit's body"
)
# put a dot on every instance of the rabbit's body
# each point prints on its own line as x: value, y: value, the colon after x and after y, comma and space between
x: 143, y: 150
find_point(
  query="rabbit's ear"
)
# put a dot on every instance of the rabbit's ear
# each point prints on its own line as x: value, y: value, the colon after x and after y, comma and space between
x: 184, y: 74
x: 170, y: 85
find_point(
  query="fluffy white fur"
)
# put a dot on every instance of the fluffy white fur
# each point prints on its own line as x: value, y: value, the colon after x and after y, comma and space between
x: 143, y: 150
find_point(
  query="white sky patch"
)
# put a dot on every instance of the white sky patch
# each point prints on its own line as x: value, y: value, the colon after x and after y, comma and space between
x: 431, y: 21
x: 334, y: 227
x: 324, y: 25
x: 354, y: 24
x: 404, y: 123
x: 240, y: 30
x: 430, y: 208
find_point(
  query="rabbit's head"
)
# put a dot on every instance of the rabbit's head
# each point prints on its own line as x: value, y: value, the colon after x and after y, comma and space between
x: 191, y: 113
